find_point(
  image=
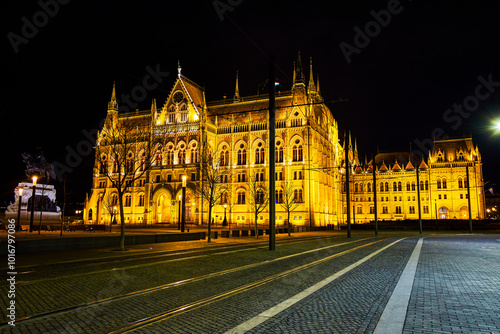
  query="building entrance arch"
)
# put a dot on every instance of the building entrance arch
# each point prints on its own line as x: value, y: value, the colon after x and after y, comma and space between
x: 443, y: 213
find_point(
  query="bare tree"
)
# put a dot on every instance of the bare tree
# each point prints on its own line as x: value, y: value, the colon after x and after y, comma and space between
x: 288, y: 200
x: 109, y: 204
x: 258, y: 195
x: 212, y: 187
x: 126, y: 148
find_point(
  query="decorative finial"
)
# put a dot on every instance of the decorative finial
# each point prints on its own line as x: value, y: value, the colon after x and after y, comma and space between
x: 179, y: 68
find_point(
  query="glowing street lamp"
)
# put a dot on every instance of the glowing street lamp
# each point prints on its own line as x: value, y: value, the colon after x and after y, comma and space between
x: 224, y: 222
x: 34, y: 178
x: 183, y: 202
x: 19, y: 209
x: 179, y: 216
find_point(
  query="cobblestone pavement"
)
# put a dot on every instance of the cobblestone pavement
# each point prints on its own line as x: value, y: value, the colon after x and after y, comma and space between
x: 456, y: 288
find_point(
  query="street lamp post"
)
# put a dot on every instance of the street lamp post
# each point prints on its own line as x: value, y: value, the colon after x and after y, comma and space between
x: 34, y: 178
x: 224, y: 222
x: 183, y: 203
x: 436, y: 208
x: 179, y: 216
x: 19, y: 210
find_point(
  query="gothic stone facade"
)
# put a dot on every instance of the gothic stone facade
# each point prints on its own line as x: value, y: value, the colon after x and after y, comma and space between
x: 308, y: 153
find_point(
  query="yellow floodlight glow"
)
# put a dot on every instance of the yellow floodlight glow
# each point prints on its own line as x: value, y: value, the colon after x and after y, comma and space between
x: 34, y: 178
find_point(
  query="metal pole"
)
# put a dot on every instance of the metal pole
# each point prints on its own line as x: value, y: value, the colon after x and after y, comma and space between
x: 348, y: 199
x: 418, y: 194
x: 179, y: 216
x: 183, y: 208
x: 375, y: 195
x: 272, y: 167
x: 18, y: 226
x: 32, y: 206
x: 436, y: 208
x: 468, y: 199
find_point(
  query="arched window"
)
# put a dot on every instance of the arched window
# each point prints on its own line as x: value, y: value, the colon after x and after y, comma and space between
x: 297, y: 151
x: 260, y: 197
x: 439, y: 183
x: 222, y: 159
x: 460, y: 183
x: 279, y: 196
x: 387, y: 186
x: 142, y: 162
x: 259, y: 155
x: 241, y: 197
x: 279, y: 153
x: 413, y: 186
x: 182, y: 156
x: 400, y: 188
x: 381, y: 187
x: 421, y: 185
x: 128, y: 200
x: 130, y: 163
x: 394, y: 186
x: 426, y: 185
x: 103, y: 166
x: 115, y: 165
x: 194, y: 153
x: 356, y: 187
x: 407, y: 186
x: 297, y: 196
x: 170, y: 155
x: 369, y: 187
x: 242, y: 157
x: 90, y: 214
x: 114, y: 199
x: 159, y: 158
x: 361, y: 187
x: 141, y: 200
x: 444, y: 184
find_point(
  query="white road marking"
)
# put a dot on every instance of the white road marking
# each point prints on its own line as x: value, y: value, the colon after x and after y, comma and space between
x: 394, y: 315
x: 257, y: 320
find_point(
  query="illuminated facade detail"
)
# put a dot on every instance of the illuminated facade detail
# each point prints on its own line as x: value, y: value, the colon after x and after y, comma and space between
x: 308, y: 154
x: 443, y: 184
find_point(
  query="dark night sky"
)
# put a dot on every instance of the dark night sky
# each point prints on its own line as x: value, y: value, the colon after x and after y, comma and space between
x: 425, y: 60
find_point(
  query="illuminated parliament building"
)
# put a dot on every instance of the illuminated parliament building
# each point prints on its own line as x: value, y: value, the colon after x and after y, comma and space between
x: 310, y: 154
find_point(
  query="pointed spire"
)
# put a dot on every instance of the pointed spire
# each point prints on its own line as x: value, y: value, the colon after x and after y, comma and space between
x: 298, y: 74
x: 237, y: 89
x: 409, y: 166
x: 311, y: 88
x: 423, y: 165
x: 350, y: 142
x: 179, y: 68
x: 113, y: 105
x: 355, y: 147
x: 154, y: 112
x: 383, y: 168
x: 317, y: 85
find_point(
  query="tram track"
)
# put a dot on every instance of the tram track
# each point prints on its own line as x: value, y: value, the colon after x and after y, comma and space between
x: 207, y: 276
x: 202, y: 302
x: 218, y: 250
x: 185, y: 281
